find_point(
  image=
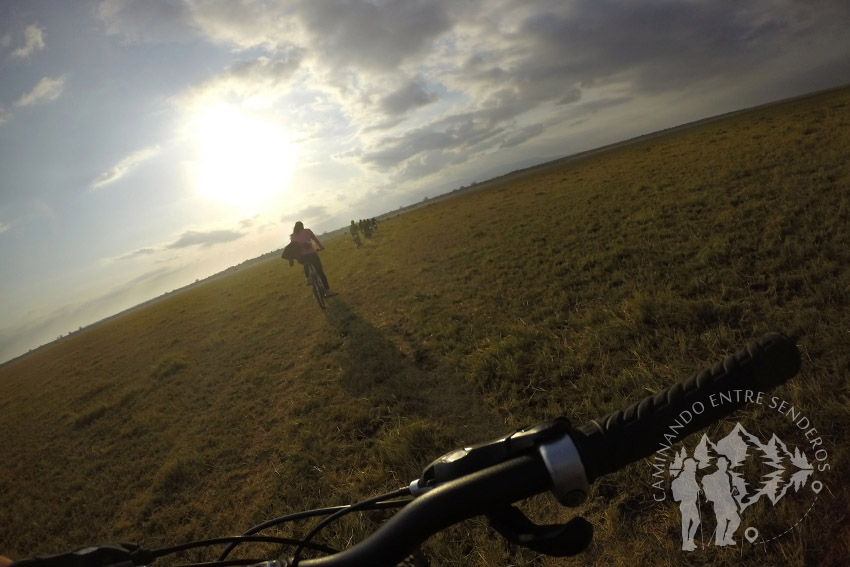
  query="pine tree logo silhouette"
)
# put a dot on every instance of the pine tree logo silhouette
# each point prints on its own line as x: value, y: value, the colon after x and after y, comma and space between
x: 718, y: 476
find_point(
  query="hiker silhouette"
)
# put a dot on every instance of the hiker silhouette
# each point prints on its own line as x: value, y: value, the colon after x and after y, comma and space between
x: 718, y: 490
x: 685, y: 489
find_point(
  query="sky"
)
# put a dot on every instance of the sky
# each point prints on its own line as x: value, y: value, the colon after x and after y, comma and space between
x: 145, y: 144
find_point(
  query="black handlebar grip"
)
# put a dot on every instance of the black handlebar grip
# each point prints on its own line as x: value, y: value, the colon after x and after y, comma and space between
x: 625, y: 436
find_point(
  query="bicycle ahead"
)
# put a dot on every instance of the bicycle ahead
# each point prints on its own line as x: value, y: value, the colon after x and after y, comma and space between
x: 320, y: 292
x: 314, y: 278
x: 488, y: 478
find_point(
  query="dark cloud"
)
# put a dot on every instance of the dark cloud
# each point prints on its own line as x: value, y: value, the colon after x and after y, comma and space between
x: 388, y: 124
x: 392, y: 152
x: 655, y: 45
x: 570, y: 96
x: 554, y: 55
x: 522, y: 135
x: 456, y: 132
x: 595, y: 106
x: 428, y: 162
x: 458, y: 138
x: 373, y: 35
x: 265, y: 70
x: 205, y: 239
x: 409, y: 97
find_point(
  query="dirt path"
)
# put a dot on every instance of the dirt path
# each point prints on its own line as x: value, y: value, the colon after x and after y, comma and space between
x: 374, y: 367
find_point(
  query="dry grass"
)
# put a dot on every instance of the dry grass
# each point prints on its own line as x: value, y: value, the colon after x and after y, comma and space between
x: 572, y: 289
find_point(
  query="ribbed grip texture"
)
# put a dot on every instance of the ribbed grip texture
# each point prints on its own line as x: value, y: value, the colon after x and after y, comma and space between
x: 625, y: 436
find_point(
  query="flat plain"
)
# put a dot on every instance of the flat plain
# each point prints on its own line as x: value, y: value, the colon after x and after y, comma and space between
x: 570, y: 289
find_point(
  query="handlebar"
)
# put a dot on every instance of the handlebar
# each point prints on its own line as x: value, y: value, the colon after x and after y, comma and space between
x: 486, y: 479
x: 625, y: 436
x: 556, y: 457
x: 469, y: 496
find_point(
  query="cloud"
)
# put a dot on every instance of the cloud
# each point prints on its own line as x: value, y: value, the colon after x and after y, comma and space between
x: 264, y: 70
x: 250, y: 221
x: 307, y: 214
x: 454, y: 132
x: 243, y: 24
x: 137, y: 254
x: 125, y: 166
x: 522, y: 135
x: 261, y: 77
x: 517, y: 59
x: 570, y: 96
x: 653, y: 46
x: 248, y: 24
x: 205, y: 238
x: 33, y: 41
x: 47, y: 90
x: 409, y: 97
x: 4, y: 227
x: 356, y: 34
x: 414, y: 86
x: 189, y: 238
x: 157, y: 21
x: 373, y: 36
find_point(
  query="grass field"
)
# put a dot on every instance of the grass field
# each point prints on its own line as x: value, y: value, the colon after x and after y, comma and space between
x: 573, y: 289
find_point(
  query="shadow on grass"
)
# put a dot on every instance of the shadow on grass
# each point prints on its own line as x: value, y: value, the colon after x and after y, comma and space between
x: 372, y: 366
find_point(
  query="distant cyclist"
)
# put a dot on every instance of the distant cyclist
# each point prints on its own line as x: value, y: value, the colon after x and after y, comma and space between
x: 366, y: 228
x: 355, y: 234
x: 304, y: 238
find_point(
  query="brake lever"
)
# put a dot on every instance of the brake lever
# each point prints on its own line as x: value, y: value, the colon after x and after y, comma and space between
x: 555, y: 540
x: 461, y: 462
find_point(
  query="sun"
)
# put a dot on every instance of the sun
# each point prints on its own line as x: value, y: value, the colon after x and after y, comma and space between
x: 242, y: 159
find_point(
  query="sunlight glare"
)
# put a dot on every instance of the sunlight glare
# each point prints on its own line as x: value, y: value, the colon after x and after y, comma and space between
x: 243, y: 161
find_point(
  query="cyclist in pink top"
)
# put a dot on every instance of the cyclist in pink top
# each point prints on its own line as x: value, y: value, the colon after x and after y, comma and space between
x: 304, y: 237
